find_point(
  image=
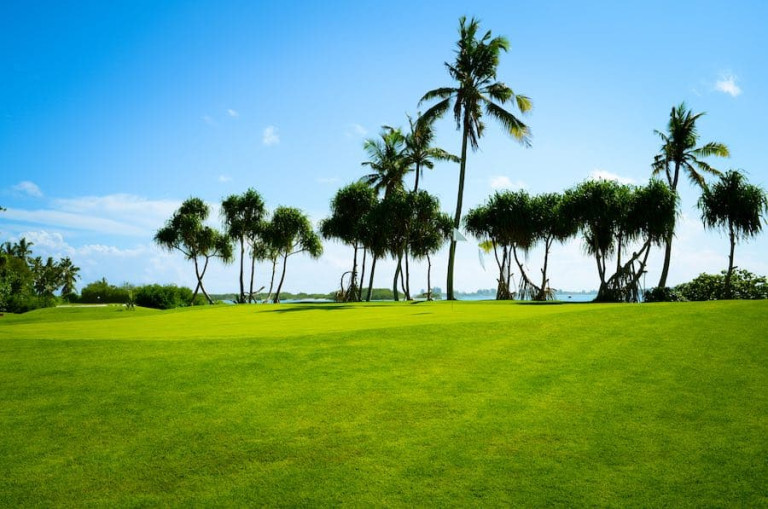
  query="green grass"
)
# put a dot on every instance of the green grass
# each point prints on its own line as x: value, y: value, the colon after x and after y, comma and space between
x: 429, y: 404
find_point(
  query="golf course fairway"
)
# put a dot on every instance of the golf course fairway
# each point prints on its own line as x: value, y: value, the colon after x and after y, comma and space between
x: 386, y: 404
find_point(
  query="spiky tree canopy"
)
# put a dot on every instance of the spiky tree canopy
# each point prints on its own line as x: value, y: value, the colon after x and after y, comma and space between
x: 186, y: 232
x: 243, y: 214
x: 290, y: 232
x: 419, y: 151
x: 348, y: 210
x: 734, y: 205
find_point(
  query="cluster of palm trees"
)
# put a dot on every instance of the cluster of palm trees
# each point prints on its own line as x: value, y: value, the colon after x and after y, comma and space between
x: 259, y: 236
x: 24, y: 276
x: 379, y: 217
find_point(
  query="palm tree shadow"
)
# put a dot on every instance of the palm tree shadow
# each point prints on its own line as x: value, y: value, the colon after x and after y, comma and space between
x: 330, y: 306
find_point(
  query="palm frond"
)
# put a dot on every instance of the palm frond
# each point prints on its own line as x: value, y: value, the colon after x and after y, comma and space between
x: 511, y: 123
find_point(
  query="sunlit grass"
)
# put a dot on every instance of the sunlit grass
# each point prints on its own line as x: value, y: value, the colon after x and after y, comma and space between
x: 386, y: 404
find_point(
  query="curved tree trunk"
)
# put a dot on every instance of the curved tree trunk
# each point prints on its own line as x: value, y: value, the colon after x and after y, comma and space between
x: 395, y: 292
x: 359, y: 296
x: 407, y: 288
x: 459, y: 199
x: 370, y: 282
x: 543, y: 288
x: 272, y: 279
x: 282, y: 279
x: 665, y: 267
x: 429, y: 278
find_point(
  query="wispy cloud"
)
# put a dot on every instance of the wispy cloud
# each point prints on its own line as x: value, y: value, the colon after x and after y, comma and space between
x: 270, y: 136
x: 28, y: 188
x: 233, y: 113
x: 607, y: 175
x: 355, y: 131
x: 504, y: 182
x: 209, y: 120
x: 727, y: 85
x: 225, y: 178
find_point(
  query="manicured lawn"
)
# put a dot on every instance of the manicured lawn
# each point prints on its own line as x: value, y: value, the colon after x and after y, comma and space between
x: 428, y: 404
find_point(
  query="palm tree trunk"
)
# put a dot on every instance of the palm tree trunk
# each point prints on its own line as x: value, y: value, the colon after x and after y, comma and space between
x: 727, y: 294
x: 542, y: 290
x: 416, y: 184
x: 272, y: 279
x: 200, y: 279
x: 459, y: 199
x: 665, y: 267
x: 353, y: 280
x: 359, y: 296
x: 429, y: 278
x: 370, y: 282
x: 395, y: 292
x: 282, y: 278
x: 251, y: 298
x: 242, y: 261
x: 407, y: 277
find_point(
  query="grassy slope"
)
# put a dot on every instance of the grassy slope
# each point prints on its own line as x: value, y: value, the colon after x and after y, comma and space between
x: 425, y: 404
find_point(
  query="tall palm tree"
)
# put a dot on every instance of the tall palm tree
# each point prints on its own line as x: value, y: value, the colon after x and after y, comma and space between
x: 476, y: 93
x: 243, y: 220
x: 679, y: 152
x: 736, y: 206
x: 386, y: 157
x: 419, y: 150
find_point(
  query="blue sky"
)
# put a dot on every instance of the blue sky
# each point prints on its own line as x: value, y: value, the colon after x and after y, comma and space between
x: 112, y: 113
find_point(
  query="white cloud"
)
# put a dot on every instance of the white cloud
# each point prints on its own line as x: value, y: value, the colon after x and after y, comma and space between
x: 233, y: 113
x: 225, y: 178
x: 355, y: 131
x: 727, y: 85
x: 29, y: 188
x: 209, y: 120
x: 504, y: 182
x: 607, y: 175
x: 270, y: 136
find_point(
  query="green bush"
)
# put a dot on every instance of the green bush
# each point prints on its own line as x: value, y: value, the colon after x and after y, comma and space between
x: 663, y: 294
x: 744, y: 285
x: 101, y: 292
x: 163, y: 297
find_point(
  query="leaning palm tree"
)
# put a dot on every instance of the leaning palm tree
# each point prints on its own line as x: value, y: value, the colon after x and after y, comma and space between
x: 736, y: 206
x: 679, y: 152
x: 386, y: 157
x: 476, y: 93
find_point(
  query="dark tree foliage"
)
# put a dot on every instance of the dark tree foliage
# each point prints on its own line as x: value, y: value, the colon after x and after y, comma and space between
x: 186, y: 232
x: 243, y: 223
x: 613, y: 219
x: 734, y: 205
x: 743, y: 285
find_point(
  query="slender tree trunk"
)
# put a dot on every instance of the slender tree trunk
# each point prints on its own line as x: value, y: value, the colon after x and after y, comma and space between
x: 359, y: 296
x: 370, y: 282
x: 242, y: 261
x: 395, y: 292
x: 407, y: 278
x: 429, y: 278
x: 528, y: 282
x: 406, y: 295
x: 282, y: 278
x: 352, y: 292
x: 668, y: 244
x: 200, y: 280
x: 459, y: 199
x: 251, y: 297
x: 272, y: 279
x: 542, y: 289
x: 416, y: 184
x: 727, y: 293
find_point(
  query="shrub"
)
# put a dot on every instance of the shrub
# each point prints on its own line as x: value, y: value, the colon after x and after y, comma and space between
x: 101, y: 292
x: 744, y: 285
x: 663, y: 294
x: 164, y: 297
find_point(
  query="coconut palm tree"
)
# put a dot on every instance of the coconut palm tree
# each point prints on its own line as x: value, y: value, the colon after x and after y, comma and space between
x: 69, y: 274
x: 679, y: 152
x: 736, y: 206
x: 477, y: 92
x: 419, y: 150
x: 386, y: 157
